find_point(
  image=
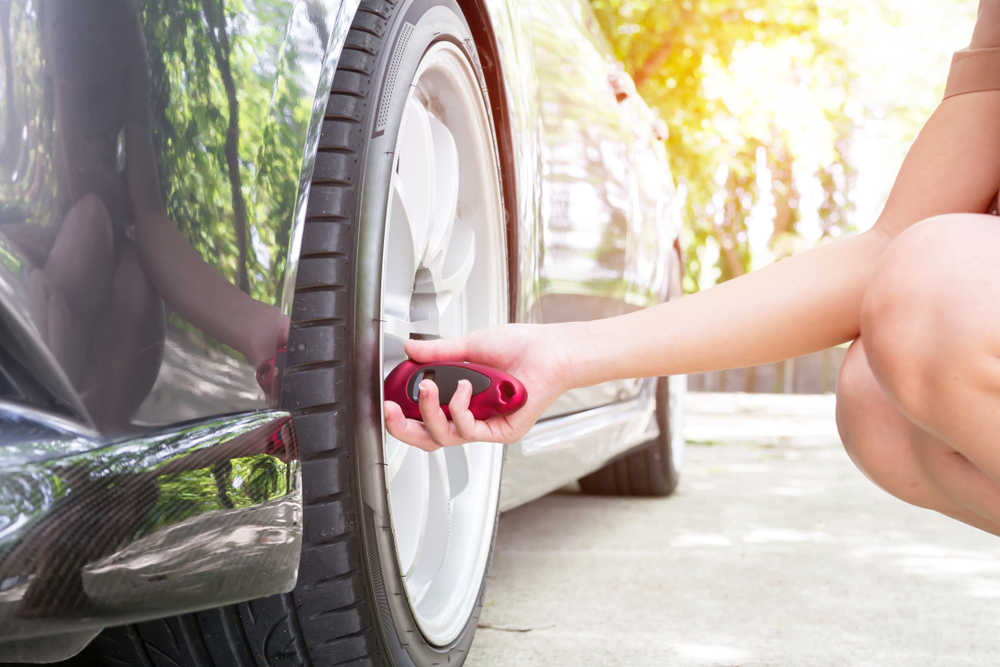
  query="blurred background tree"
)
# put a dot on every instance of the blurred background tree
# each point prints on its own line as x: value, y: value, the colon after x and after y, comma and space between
x: 788, y: 118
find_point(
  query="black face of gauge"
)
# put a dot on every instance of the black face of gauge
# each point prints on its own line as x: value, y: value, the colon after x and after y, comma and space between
x: 446, y: 378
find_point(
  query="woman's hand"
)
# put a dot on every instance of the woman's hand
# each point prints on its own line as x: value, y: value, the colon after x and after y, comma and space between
x: 266, y: 332
x: 533, y: 353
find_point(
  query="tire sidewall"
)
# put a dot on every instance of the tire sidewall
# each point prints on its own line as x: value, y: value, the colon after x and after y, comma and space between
x: 432, y: 21
x: 669, y: 474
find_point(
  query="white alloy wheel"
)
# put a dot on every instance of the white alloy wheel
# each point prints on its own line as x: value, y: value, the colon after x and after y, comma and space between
x: 444, y: 274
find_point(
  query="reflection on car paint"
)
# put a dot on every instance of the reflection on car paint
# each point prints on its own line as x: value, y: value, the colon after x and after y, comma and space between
x: 125, y: 122
x: 193, y: 517
x: 586, y: 202
x: 606, y: 232
x: 549, y: 65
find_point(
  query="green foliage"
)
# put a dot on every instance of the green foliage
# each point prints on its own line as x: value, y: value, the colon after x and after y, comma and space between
x: 741, y: 141
x: 242, y: 482
x: 191, y: 108
x: 27, y: 181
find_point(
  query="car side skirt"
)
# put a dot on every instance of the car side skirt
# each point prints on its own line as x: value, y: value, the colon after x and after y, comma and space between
x: 563, y: 449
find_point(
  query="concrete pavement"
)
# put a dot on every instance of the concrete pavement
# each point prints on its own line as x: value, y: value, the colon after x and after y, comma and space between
x: 774, y: 551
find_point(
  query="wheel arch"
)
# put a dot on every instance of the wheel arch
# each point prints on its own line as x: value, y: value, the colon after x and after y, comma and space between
x: 480, y: 22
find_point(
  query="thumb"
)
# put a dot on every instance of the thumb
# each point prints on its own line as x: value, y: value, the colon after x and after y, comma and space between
x: 449, y: 349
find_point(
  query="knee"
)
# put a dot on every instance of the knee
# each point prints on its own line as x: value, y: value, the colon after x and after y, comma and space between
x: 919, y: 336
x: 89, y: 223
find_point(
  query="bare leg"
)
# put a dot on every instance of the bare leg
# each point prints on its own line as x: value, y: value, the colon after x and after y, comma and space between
x: 931, y: 324
x: 127, y: 348
x: 905, y: 460
x: 104, y: 323
x: 917, y: 399
x: 77, y: 280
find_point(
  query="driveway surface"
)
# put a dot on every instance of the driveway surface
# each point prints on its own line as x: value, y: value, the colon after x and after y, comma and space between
x: 775, y: 550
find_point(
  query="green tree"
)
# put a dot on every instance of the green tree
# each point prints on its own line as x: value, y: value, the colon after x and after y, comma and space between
x: 732, y: 147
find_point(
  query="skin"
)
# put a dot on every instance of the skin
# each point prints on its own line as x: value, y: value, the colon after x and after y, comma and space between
x: 195, y: 290
x: 917, y: 402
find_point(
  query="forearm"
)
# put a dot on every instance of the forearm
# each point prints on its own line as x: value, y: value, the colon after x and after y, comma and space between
x: 196, y: 291
x: 799, y: 305
x: 193, y: 289
x: 810, y: 301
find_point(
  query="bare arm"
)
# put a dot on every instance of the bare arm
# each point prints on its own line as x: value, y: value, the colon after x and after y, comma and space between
x: 799, y: 305
x: 813, y: 300
x: 195, y: 290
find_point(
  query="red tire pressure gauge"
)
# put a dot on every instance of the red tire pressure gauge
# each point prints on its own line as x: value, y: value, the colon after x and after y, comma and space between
x: 493, y: 392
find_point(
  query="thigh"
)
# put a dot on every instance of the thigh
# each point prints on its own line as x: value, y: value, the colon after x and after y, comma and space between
x: 80, y: 264
x: 73, y: 287
x: 877, y: 436
x: 128, y: 346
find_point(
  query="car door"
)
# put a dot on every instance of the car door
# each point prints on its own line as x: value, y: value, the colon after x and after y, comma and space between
x: 652, y: 266
x: 587, y: 197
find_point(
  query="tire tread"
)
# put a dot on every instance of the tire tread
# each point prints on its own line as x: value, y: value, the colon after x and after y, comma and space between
x: 645, y: 471
x: 329, y: 609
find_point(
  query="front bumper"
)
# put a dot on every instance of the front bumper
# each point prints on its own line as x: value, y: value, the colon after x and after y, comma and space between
x: 99, y: 534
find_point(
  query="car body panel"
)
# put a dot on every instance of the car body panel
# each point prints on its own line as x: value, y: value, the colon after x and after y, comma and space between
x: 95, y: 533
x: 206, y: 550
x: 640, y: 260
x: 593, y: 216
x: 586, y: 184
x: 563, y: 449
x: 239, y: 221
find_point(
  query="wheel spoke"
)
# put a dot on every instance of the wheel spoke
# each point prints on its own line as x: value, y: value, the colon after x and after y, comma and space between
x: 436, y: 535
x: 460, y: 259
x: 437, y: 285
x: 396, y: 327
x: 416, y: 173
x: 393, y: 354
x: 409, y: 493
x: 457, y: 459
x: 426, y: 328
x: 445, y: 189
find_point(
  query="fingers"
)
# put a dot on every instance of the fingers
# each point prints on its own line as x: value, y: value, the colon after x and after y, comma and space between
x: 437, y: 431
x: 465, y: 426
x: 409, y: 431
x: 437, y: 425
x: 461, y: 417
x: 450, y: 349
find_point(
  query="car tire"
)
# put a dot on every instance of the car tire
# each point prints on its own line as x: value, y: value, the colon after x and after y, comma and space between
x: 351, y: 604
x: 653, y: 469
